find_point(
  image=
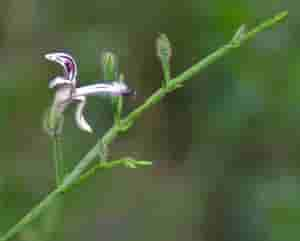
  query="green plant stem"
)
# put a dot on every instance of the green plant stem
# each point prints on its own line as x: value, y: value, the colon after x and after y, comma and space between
x: 166, y: 73
x: 56, y: 210
x: 58, y: 159
x: 126, y: 123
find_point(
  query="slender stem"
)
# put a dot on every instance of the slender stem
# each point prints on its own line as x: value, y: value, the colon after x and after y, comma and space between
x: 126, y: 123
x: 167, y: 72
x: 58, y: 159
x: 57, y: 209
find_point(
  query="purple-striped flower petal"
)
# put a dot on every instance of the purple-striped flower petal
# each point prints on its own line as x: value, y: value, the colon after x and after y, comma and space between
x: 67, y: 62
x: 115, y: 88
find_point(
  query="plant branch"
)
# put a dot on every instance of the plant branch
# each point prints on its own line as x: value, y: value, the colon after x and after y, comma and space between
x: 127, y: 122
x: 198, y: 67
x: 125, y: 162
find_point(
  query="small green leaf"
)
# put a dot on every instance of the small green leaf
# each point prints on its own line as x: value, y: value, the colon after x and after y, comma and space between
x: 239, y: 35
x: 125, y: 125
x: 132, y: 163
x: 143, y: 163
x: 129, y: 163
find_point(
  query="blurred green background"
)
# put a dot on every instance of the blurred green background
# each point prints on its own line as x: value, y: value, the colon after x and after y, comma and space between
x: 224, y: 148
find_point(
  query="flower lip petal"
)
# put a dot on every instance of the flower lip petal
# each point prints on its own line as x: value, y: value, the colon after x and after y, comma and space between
x: 79, y: 117
x: 115, y: 88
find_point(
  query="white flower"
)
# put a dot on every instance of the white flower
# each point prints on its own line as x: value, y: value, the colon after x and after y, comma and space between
x: 67, y: 92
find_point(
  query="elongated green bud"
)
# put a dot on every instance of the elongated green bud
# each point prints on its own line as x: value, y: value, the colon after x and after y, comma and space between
x: 164, y: 54
x: 163, y: 48
x: 109, y: 65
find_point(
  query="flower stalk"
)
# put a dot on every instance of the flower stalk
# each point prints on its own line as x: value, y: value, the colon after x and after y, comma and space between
x: 58, y: 159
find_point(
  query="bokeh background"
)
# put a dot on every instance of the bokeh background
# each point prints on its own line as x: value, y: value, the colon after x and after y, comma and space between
x: 224, y: 148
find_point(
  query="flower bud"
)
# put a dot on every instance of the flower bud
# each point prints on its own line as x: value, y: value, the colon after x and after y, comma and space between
x: 109, y: 63
x: 163, y: 48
